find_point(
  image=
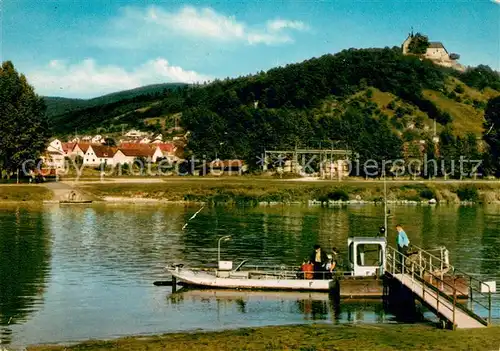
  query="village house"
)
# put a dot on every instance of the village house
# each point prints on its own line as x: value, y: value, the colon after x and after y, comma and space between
x: 54, y: 154
x: 165, y: 150
x: 99, y: 154
x: 337, y: 169
x: 158, y: 139
x: 97, y: 139
x: 80, y: 149
x: 68, y: 148
x: 133, y: 133
x: 129, y: 155
x: 96, y: 154
x: 53, y: 159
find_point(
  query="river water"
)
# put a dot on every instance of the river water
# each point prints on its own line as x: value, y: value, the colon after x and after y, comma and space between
x: 69, y: 273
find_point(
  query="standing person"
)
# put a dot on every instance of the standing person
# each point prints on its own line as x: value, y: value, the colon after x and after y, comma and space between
x: 332, y: 262
x: 333, y: 259
x: 319, y: 260
x: 403, y: 243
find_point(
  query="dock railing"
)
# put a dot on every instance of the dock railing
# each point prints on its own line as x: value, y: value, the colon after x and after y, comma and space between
x: 270, y: 272
x: 285, y: 272
x: 436, y: 274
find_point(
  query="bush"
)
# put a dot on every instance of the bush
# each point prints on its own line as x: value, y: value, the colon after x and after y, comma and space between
x: 369, y: 93
x: 391, y: 105
x: 480, y: 105
x: 287, y: 175
x: 396, y: 123
x: 410, y: 195
x: 400, y: 112
x: 458, y: 98
x: 419, y: 122
x: 467, y: 193
x: 452, y: 95
x: 338, y: 194
x: 444, y: 118
x: 427, y: 194
x: 459, y: 89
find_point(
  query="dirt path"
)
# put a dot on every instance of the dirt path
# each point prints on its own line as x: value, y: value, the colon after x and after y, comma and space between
x: 65, y: 191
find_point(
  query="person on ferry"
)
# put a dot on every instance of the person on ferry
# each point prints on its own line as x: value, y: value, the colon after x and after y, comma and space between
x: 319, y: 260
x: 333, y: 260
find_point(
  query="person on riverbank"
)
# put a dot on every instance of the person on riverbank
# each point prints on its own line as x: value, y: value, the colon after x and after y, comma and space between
x: 403, y: 244
x: 319, y: 260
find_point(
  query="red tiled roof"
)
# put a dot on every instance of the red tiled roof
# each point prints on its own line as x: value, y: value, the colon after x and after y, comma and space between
x: 68, y: 146
x: 104, y: 151
x: 129, y: 145
x: 168, y: 147
x: 83, y: 146
x: 137, y: 152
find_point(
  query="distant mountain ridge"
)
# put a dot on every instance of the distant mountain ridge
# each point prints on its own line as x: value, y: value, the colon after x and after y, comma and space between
x: 377, y: 101
x: 60, y: 105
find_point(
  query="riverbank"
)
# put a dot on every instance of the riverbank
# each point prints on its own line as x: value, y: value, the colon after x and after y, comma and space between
x: 24, y: 193
x: 258, y: 190
x: 271, y: 191
x: 305, y: 337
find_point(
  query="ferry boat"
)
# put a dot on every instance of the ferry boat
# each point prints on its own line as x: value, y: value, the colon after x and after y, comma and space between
x: 364, y: 278
x: 368, y: 259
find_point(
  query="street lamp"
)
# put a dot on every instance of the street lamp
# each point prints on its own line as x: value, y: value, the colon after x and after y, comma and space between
x: 225, y: 238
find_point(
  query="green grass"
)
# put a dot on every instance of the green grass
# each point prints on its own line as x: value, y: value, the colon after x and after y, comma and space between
x: 14, y: 192
x: 246, y: 190
x: 465, y: 117
x: 307, y: 337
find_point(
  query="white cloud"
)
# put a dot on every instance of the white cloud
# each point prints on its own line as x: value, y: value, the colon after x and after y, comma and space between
x: 199, y: 23
x: 136, y: 26
x: 279, y: 24
x: 87, y: 79
x: 496, y: 1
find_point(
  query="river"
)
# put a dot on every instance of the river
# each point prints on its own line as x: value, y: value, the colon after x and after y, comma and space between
x: 70, y: 273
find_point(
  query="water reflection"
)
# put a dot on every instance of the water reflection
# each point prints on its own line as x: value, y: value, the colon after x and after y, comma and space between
x: 312, y: 306
x: 24, y: 266
x: 76, y: 272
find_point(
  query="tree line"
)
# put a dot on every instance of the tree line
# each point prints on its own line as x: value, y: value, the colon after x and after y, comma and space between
x: 24, y: 129
x: 241, y: 117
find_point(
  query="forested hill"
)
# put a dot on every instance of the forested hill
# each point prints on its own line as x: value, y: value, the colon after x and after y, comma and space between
x: 372, y: 100
x: 59, y: 105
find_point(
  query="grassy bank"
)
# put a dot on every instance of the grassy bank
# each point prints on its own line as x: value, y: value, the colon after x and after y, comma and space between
x: 310, y: 337
x: 253, y: 191
x: 21, y: 192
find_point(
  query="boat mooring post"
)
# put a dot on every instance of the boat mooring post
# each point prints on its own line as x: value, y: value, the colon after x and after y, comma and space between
x: 174, y: 284
x: 385, y: 204
x: 489, y: 306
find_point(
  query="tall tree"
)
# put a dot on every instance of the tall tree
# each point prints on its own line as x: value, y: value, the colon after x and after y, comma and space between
x: 481, y: 77
x: 24, y: 130
x: 491, y: 135
x: 418, y: 44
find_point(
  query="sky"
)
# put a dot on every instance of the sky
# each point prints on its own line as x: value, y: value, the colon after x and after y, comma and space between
x: 87, y: 48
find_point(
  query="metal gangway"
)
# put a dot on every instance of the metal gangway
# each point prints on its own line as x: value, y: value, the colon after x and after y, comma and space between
x: 455, y: 297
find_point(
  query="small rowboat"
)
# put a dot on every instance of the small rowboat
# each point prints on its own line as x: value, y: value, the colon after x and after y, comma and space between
x: 75, y: 201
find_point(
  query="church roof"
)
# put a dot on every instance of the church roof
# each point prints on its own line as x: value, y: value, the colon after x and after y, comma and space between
x: 436, y: 45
